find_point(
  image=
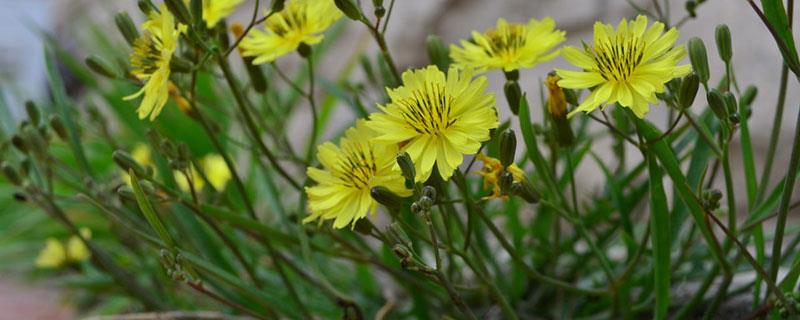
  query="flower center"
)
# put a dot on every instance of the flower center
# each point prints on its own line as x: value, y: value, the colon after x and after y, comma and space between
x: 356, y: 166
x: 617, y: 58
x: 287, y: 20
x: 428, y: 109
x: 505, y: 41
x: 145, y: 56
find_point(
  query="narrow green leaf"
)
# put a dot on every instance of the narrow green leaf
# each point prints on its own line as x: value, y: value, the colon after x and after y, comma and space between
x: 149, y: 213
x: 776, y: 15
x: 660, y: 239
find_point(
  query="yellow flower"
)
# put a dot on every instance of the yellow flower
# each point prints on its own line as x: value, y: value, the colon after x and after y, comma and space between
x: 150, y: 61
x: 509, y: 46
x: 301, y: 21
x: 628, y: 66
x: 436, y: 118
x: 216, y: 10
x: 216, y: 170
x: 492, y: 168
x: 183, y: 182
x: 55, y: 254
x: 349, y: 172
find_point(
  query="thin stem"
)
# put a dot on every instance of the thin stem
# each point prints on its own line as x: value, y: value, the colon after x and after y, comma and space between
x: 312, y: 140
x: 615, y: 130
x: 786, y: 197
x: 776, y: 132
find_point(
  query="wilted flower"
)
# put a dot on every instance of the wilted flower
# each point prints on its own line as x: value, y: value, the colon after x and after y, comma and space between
x: 436, y: 118
x: 627, y: 66
x: 301, y: 21
x: 509, y: 46
x: 491, y: 171
x: 151, y: 57
x: 349, y: 172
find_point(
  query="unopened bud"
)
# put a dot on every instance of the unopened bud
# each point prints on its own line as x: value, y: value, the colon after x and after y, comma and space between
x: 33, y: 112
x: 430, y: 192
x: 717, y: 104
x: 396, y: 234
x: 179, y: 10
x: 407, y: 168
x: 386, y: 197
x: 277, y: 5
x: 513, y: 94
x: 688, y: 90
x: 363, y: 226
x: 571, y: 96
x: 730, y: 102
x: 127, y: 163
x: 19, y: 143
x: 526, y: 191
x: 179, y: 64
x: 145, y: 6
x: 505, y: 182
x: 749, y: 95
x: 349, y: 8
x: 508, y: 147
x: 304, y: 50
x: 101, y: 67
x: 196, y: 8
x: 11, y: 174
x: 699, y: 59
x: 723, y: 38
x: 126, y: 26
x: 425, y: 203
x: 438, y: 54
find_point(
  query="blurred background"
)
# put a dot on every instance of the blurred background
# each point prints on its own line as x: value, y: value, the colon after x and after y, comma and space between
x: 22, y: 76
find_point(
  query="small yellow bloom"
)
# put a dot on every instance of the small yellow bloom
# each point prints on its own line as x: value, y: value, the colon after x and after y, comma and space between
x: 183, y: 182
x: 301, y: 21
x: 56, y: 255
x: 349, y: 172
x: 216, y: 170
x: 509, y: 46
x: 216, y: 10
x: 492, y: 168
x: 436, y: 118
x: 627, y: 66
x: 150, y: 61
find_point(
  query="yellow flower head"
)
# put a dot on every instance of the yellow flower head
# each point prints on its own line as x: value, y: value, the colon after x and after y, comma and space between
x: 491, y: 171
x: 216, y: 10
x: 216, y: 171
x: 627, y: 66
x: 349, y: 172
x: 509, y: 46
x: 150, y: 60
x: 301, y: 21
x: 55, y: 254
x: 436, y: 118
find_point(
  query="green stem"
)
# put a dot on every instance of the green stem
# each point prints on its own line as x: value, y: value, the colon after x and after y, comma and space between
x: 786, y: 197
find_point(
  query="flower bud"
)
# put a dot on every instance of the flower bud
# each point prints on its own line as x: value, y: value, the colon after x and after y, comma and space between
x: 101, y: 67
x: 407, y: 168
x: 380, y: 12
x: 735, y: 118
x: 126, y: 26
x: 277, y: 5
x: 430, y: 192
x: 512, y: 75
x: 506, y: 180
x: 508, y: 146
x: 749, y: 95
x: 513, y: 95
x: 126, y: 163
x: 36, y: 141
x: 33, y: 112
x: 571, y: 96
x: 688, y: 90
x: 691, y: 6
x: 717, y: 104
x: 386, y: 197
x: 10, y: 174
x: 699, y: 59
x: 396, y: 235
x: 363, y: 226
x: 730, y: 102
x: 416, y: 208
x: 425, y: 203
x: 349, y: 8
x: 525, y: 191
x: 196, y: 8
x: 438, y: 53
x: 304, y: 50
x: 179, y: 10
x: 723, y: 37
x: 179, y: 64
x: 19, y: 143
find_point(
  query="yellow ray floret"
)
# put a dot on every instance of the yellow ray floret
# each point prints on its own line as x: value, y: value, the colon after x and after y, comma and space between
x: 301, y: 21
x: 491, y: 171
x: 216, y: 10
x: 150, y: 61
x: 436, y: 118
x: 349, y: 171
x: 509, y: 46
x: 626, y: 66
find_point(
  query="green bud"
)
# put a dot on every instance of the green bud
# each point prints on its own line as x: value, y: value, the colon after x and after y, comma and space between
x: 304, y: 50
x: 512, y: 75
x: 513, y: 94
x: 525, y: 191
x: 349, y: 8
x: 256, y: 74
x: 25, y: 167
x: 688, y: 90
x: 407, y: 167
x: 723, y: 37
x: 699, y: 59
x: 363, y: 226
x: 730, y: 102
x: 396, y: 235
x: 506, y: 181
x: 735, y: 118
x: 196, y: 7
x: 101, y: 67
x: 571, y: 97
x: 430, y: 192
x: 145, y: 6
x: 749, y: 95
x: 126, y: 163
x: 386, y: 197
x: 179, y: 10
x: 19, y: 143
x: 277, y: 5
x: 11, y: 174
x: 717, y: 104
x: 33, y: 112
x: 126, y: 27
x: 508, y: 146
x: 380, y: 12
x: 35, y: 140
x: 179, y: 64
x: 438, y: 53
x: 377, y: 3
x: 425, y: 203
x: 563, y: 131
x: 691, y: 6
